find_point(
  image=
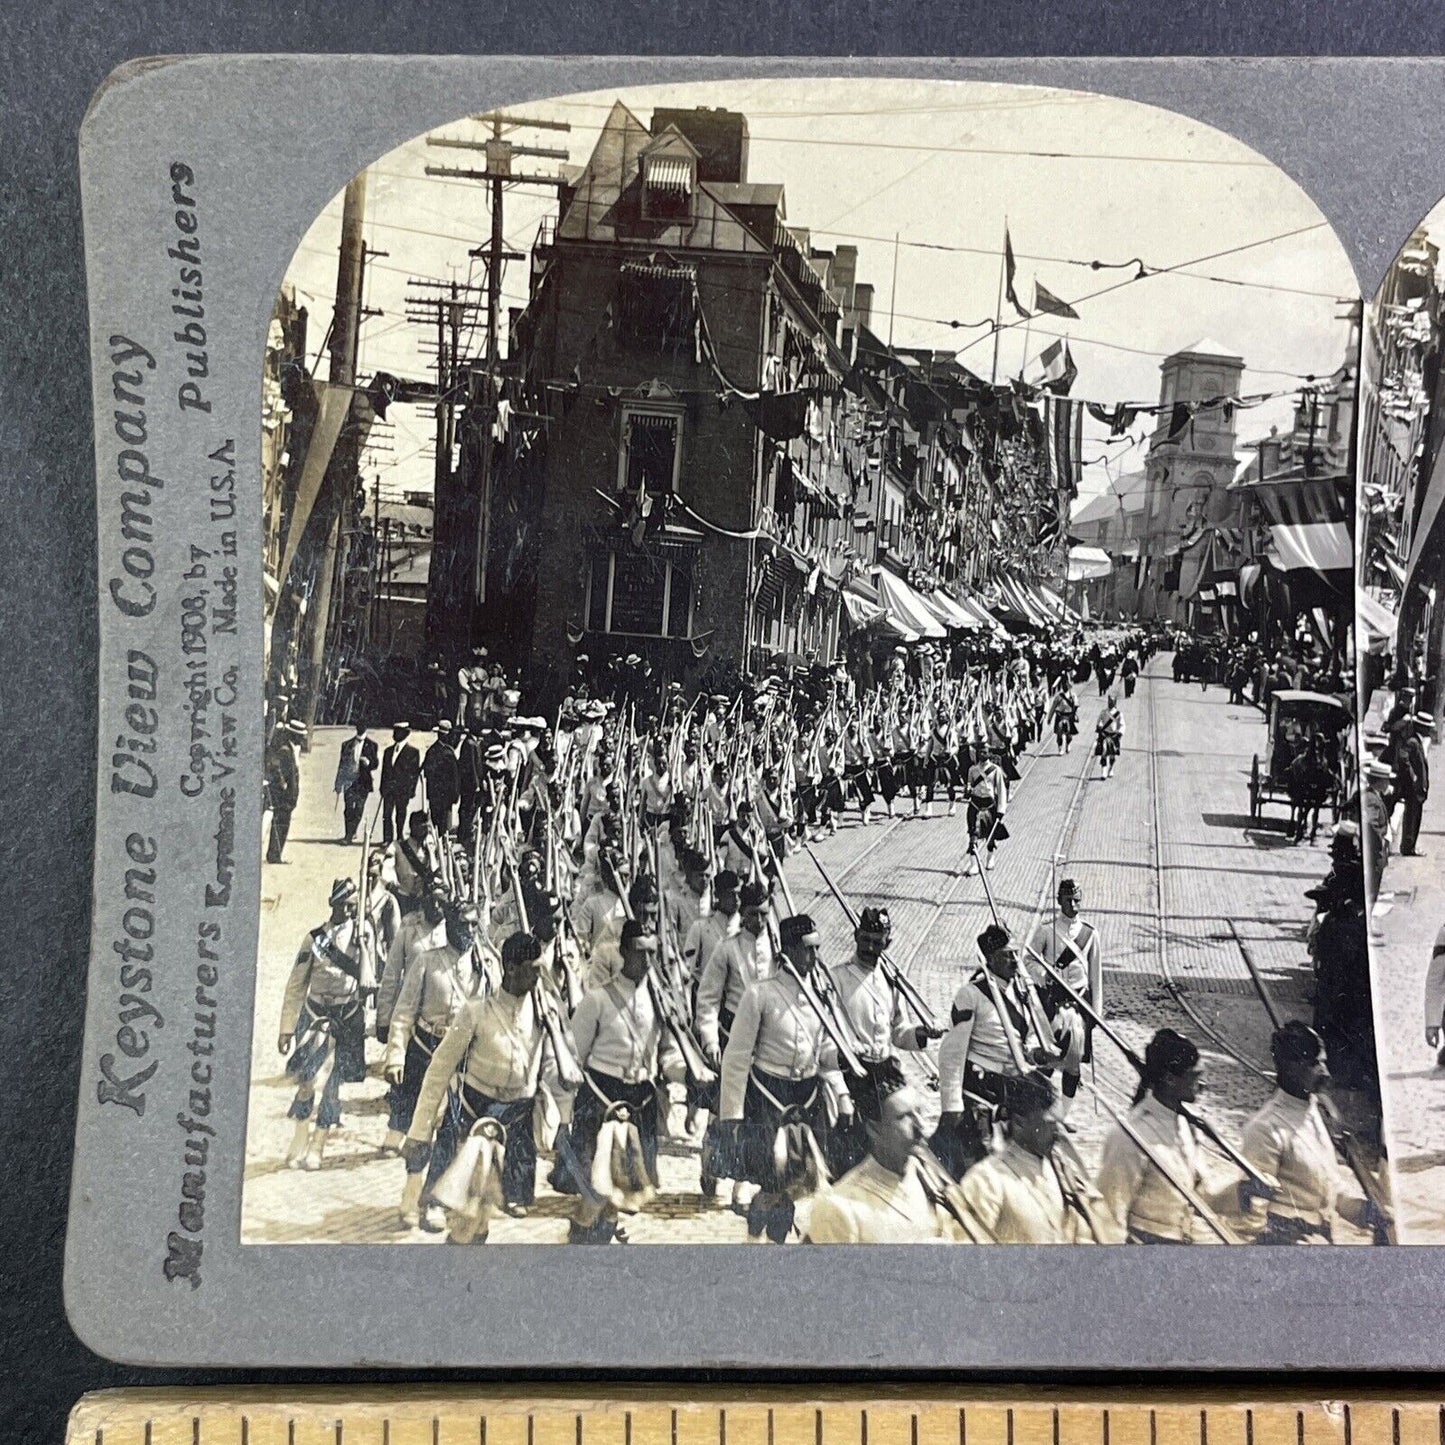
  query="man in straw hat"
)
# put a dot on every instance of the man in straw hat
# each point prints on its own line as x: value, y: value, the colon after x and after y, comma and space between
x: 283, y: 783
x: 400, y: 771
x: 322, y: 1022
x: 1412, y: 781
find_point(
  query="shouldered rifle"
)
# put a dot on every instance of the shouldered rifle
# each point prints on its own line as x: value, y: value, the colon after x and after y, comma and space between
x: 1190, y: 1196
x: 1195, y: 1120
x: 897, y: 979
x: 818, y: 991
x: 943, y: 1193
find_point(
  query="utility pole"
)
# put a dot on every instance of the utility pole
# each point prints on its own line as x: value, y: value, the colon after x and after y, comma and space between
x: 344, y: 341
x: 445, y: 305
x: 498, y: 175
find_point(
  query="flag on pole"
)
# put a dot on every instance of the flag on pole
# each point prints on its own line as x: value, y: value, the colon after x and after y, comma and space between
x: 1045, y: 300
x: 1009, y: 270
x: 1057, y: 368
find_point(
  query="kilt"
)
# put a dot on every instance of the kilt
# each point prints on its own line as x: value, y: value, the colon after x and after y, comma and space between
x: 401, y: 1098
x: 1066, y: 725
x: 985, y: 824
x: 327, y: 1032
x: 763, y: 1116
x: 1106, y: 745
x: 577, y: 1144
x: 464, y: 1106
x: 860, y: 783
x: 890, y: 779
x: 962, y: 1142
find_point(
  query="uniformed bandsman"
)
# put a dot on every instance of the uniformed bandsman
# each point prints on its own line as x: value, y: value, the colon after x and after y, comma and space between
x: 322, y: 1016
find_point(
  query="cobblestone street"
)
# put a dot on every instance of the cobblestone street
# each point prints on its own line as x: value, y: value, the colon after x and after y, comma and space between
x: 1177, y: 879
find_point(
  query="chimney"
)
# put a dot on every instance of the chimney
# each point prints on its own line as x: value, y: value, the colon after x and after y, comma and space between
x: 719, y: 136
x: 863, y: 304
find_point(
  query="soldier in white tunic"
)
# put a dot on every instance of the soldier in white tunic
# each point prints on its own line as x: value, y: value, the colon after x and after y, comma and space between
x: 1070, y: 947
x: 1146, y: 1207
x: 875, y: 1009
x: 625, y: 1050
x: 1288, y: 1142
x: 779, y: 1072
x: 984, y: 1049
x: 1033, y: 1190
x: 887, y: 1198
x: 438, y: 982
x: 486, y: 1066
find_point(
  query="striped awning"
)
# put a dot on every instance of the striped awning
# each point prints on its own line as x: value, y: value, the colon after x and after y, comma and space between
x: 666, y: 173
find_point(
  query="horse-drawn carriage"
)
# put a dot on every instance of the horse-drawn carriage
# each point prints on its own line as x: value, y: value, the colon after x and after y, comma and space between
x: 1308, y: 759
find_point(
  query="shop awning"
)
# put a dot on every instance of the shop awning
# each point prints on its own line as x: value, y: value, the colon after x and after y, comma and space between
x: 986, y: 618
x: 862, y: 613
x: 1376, y: 622
x: 1086, y: 563
x: 949, y: 612
x: 1019, y: 600
x: 907, y: 611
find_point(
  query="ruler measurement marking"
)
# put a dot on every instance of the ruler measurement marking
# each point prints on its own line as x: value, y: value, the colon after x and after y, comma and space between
x: 1106, y: 1426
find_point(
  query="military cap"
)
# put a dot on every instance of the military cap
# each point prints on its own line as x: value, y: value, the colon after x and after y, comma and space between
x: 797, y: 928
x: 634, y: 929
x: 520, y: 948
x: 874, y: 920
x: 693, y: 861
x: 752, y: 895
x: 1295, y: 1042
x: 342, y: 890
x: 419, y: 816
x: 727, y: 881
x: 993, y: 938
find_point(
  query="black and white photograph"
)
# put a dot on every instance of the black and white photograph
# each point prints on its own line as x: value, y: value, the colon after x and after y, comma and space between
x: 1401, y: 567
x: 810, y: 683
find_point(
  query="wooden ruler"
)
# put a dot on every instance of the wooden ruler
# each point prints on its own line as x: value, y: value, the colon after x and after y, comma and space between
x: 380, y: 1415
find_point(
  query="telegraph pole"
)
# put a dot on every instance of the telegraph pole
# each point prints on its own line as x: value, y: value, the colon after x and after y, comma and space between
x: 498, y: 175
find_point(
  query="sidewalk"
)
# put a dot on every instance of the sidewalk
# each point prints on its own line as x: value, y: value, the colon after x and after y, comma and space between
x: 1408, y: 912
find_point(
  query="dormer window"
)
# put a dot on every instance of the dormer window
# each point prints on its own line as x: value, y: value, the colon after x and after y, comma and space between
x: 668, y: 182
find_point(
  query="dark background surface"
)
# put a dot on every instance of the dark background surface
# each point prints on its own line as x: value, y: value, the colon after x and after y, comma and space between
x: 53, y: 55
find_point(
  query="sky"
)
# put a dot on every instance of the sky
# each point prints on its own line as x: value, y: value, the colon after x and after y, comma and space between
x: 944, y: 167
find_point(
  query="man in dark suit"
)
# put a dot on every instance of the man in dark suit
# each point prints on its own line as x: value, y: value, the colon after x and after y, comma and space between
x: 400, y: 769
x: 354, y: 772
x: 469, y: 777
x: 283, y: 783
x: 1412, y: 782
x: 443, y: 779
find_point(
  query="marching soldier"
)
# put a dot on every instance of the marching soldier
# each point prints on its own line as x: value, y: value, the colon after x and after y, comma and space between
x: 1109, y: 737
x: 420, y: 930
x: 1034, y: 1189
x: 625, y: 1050
x: 887, y: 1198
x: 322, y: 1016
x: 438, y: 982
x: 987, y: 804
x: 993, y: 1016
x: 487, y: 1066
x: 874, y: 1008
x: 1070, y: 947
x: 418, y: 863
x: 778, y: 1073
x: 1065, y: 712
x: 1288, y: 1142
x: 719, y: 923
x: 1146, y: 1206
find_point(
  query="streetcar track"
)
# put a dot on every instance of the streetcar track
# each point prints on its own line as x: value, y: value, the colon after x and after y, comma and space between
x: 1170, y: 980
